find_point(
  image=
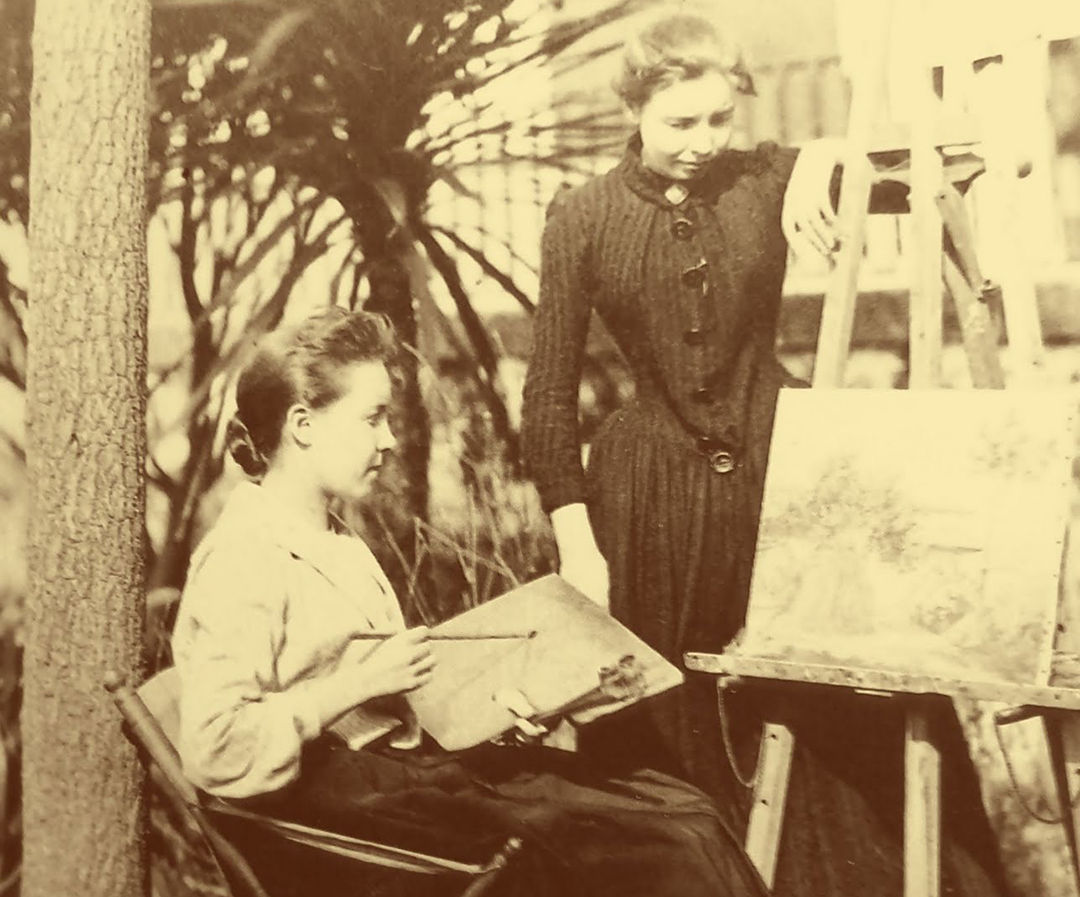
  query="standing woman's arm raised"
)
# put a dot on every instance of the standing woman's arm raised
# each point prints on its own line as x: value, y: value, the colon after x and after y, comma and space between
x: 809, y: 217
x: 550, y: 435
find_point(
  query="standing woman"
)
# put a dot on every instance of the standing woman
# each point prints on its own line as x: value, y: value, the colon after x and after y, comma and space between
x: 681, y: 251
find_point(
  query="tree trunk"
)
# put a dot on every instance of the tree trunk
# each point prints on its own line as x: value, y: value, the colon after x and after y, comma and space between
x: 84, y: 816
x: 391, y: 296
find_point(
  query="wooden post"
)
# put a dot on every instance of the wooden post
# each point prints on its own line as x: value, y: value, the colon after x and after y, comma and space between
x: 1063, y: 740
x: 770, y: 796
x: 922, y: 807
x: 927, y: 171
x: 838, y: 309
x: 997, y: 213
x: 1063, y: 728
x: 964, y: 282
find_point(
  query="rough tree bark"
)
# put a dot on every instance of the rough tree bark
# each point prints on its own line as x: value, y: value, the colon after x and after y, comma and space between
x: 84, y: 816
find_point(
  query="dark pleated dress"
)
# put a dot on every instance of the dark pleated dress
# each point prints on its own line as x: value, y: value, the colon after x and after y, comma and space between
x: 690, y: 292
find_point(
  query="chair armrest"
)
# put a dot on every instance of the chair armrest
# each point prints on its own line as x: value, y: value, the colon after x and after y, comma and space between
x: 358, y: 848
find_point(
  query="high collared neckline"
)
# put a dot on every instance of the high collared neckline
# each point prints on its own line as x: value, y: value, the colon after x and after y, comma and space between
x: 252, y: 513
x: 668, y: 192
x: 251, y: 502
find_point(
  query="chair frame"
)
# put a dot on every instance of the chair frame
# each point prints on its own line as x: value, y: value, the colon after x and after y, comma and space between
x: 162, y: 761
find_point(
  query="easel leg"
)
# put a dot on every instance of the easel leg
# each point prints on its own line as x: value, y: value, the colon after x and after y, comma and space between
x: 998, y: 215
x: 838, y: 308
x: 1063, y: 738
x: 922, y: 808
x: 964, y: 283
x: 924, y: 320
x: 770, y: 795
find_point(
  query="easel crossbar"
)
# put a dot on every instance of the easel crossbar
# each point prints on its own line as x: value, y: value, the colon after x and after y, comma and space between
x: 1056, y: 697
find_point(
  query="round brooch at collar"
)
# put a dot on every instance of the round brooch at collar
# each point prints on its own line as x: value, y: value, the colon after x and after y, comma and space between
x: 676, y: 194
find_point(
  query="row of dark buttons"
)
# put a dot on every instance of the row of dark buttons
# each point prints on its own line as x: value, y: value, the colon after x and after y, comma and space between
x: 694, y: 277
x: 721, y: 457
x: 683, y: 229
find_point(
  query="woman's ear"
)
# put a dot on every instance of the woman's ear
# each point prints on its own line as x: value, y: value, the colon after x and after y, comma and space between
x: 632, y: 113
x: 298, y: 425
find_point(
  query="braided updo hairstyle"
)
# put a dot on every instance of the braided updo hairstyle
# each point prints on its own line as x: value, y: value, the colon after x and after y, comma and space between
x: 677, y: 47
x: 300, y: 365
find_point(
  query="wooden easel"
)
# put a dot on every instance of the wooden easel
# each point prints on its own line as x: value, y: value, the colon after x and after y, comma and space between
x: 945, y: 255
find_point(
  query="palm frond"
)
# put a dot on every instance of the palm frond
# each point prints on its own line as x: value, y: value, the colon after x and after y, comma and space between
x: 491, y: 270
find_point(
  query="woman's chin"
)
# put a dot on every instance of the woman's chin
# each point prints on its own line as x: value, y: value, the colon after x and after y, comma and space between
x: 366, y: 482
x: 687, y: 171
x: 356, y: 489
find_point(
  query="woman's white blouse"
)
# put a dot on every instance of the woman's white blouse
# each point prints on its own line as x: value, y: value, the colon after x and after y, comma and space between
x: 268, y: 608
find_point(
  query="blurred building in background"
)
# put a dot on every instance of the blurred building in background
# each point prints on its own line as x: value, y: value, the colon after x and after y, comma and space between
x: 800, y: 52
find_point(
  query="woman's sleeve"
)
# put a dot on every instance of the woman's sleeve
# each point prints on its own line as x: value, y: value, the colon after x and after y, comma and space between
x: 886, y: 196
x: 777, y: 163
x: 551, y: 443
x: 239, y: 736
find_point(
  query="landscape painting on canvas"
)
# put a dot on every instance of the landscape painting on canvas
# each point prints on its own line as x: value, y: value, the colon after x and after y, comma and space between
x: 914, y: 531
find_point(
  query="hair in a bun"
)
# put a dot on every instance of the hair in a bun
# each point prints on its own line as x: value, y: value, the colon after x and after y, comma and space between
x: 301, y: 365
x: 673, y: 48
x: 242, y: 448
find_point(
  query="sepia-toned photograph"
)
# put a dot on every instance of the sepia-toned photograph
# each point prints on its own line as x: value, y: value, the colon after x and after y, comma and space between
x: 526, y: 448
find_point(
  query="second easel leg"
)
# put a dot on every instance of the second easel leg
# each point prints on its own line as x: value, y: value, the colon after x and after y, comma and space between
x: 922, y: 807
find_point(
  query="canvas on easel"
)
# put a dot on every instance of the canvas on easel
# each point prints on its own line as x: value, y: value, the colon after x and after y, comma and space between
x: 914, y: 531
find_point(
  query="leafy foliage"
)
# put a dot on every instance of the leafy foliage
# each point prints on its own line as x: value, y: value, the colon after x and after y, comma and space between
x: 274, y: 143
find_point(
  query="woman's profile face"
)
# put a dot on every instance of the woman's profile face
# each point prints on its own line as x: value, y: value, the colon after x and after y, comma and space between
x: 348, y: 438
x: 684, y: 125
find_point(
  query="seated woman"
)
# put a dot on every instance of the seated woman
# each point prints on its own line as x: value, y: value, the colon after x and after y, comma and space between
x: 268, y: 657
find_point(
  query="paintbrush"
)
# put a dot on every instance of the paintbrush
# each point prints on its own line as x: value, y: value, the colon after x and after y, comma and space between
x: 456, y: 637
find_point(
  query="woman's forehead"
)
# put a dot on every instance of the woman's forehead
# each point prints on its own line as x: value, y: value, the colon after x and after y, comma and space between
x: 365, y: 382
x: 691, y: 97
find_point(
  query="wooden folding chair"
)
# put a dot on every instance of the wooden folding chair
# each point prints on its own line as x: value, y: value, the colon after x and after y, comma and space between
x: 152, y: 715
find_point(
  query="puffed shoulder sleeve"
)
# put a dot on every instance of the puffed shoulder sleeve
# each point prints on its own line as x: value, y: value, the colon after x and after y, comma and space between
x: 240, y: 735
x: 551, y: 444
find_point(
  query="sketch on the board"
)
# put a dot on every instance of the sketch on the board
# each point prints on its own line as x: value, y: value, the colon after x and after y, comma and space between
x: 914, y: 531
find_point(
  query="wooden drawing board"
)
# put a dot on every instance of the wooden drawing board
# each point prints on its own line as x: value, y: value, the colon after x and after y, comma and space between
x: 574, y: 639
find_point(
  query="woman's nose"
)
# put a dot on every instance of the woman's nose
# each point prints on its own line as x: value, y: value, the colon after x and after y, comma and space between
x: 703, y: 140
x: 387, y: 440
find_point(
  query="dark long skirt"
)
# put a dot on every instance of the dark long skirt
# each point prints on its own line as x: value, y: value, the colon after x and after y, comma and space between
x: 644, y: 833
x: 679, y: 539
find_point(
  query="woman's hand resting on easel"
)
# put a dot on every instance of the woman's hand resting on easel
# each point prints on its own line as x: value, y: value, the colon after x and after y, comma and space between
x: 580, y: 562
x: 808, y: 219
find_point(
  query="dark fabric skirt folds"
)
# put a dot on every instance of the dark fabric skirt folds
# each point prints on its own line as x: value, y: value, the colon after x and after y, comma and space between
x: 679, y: 541
x: 643, y: 834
